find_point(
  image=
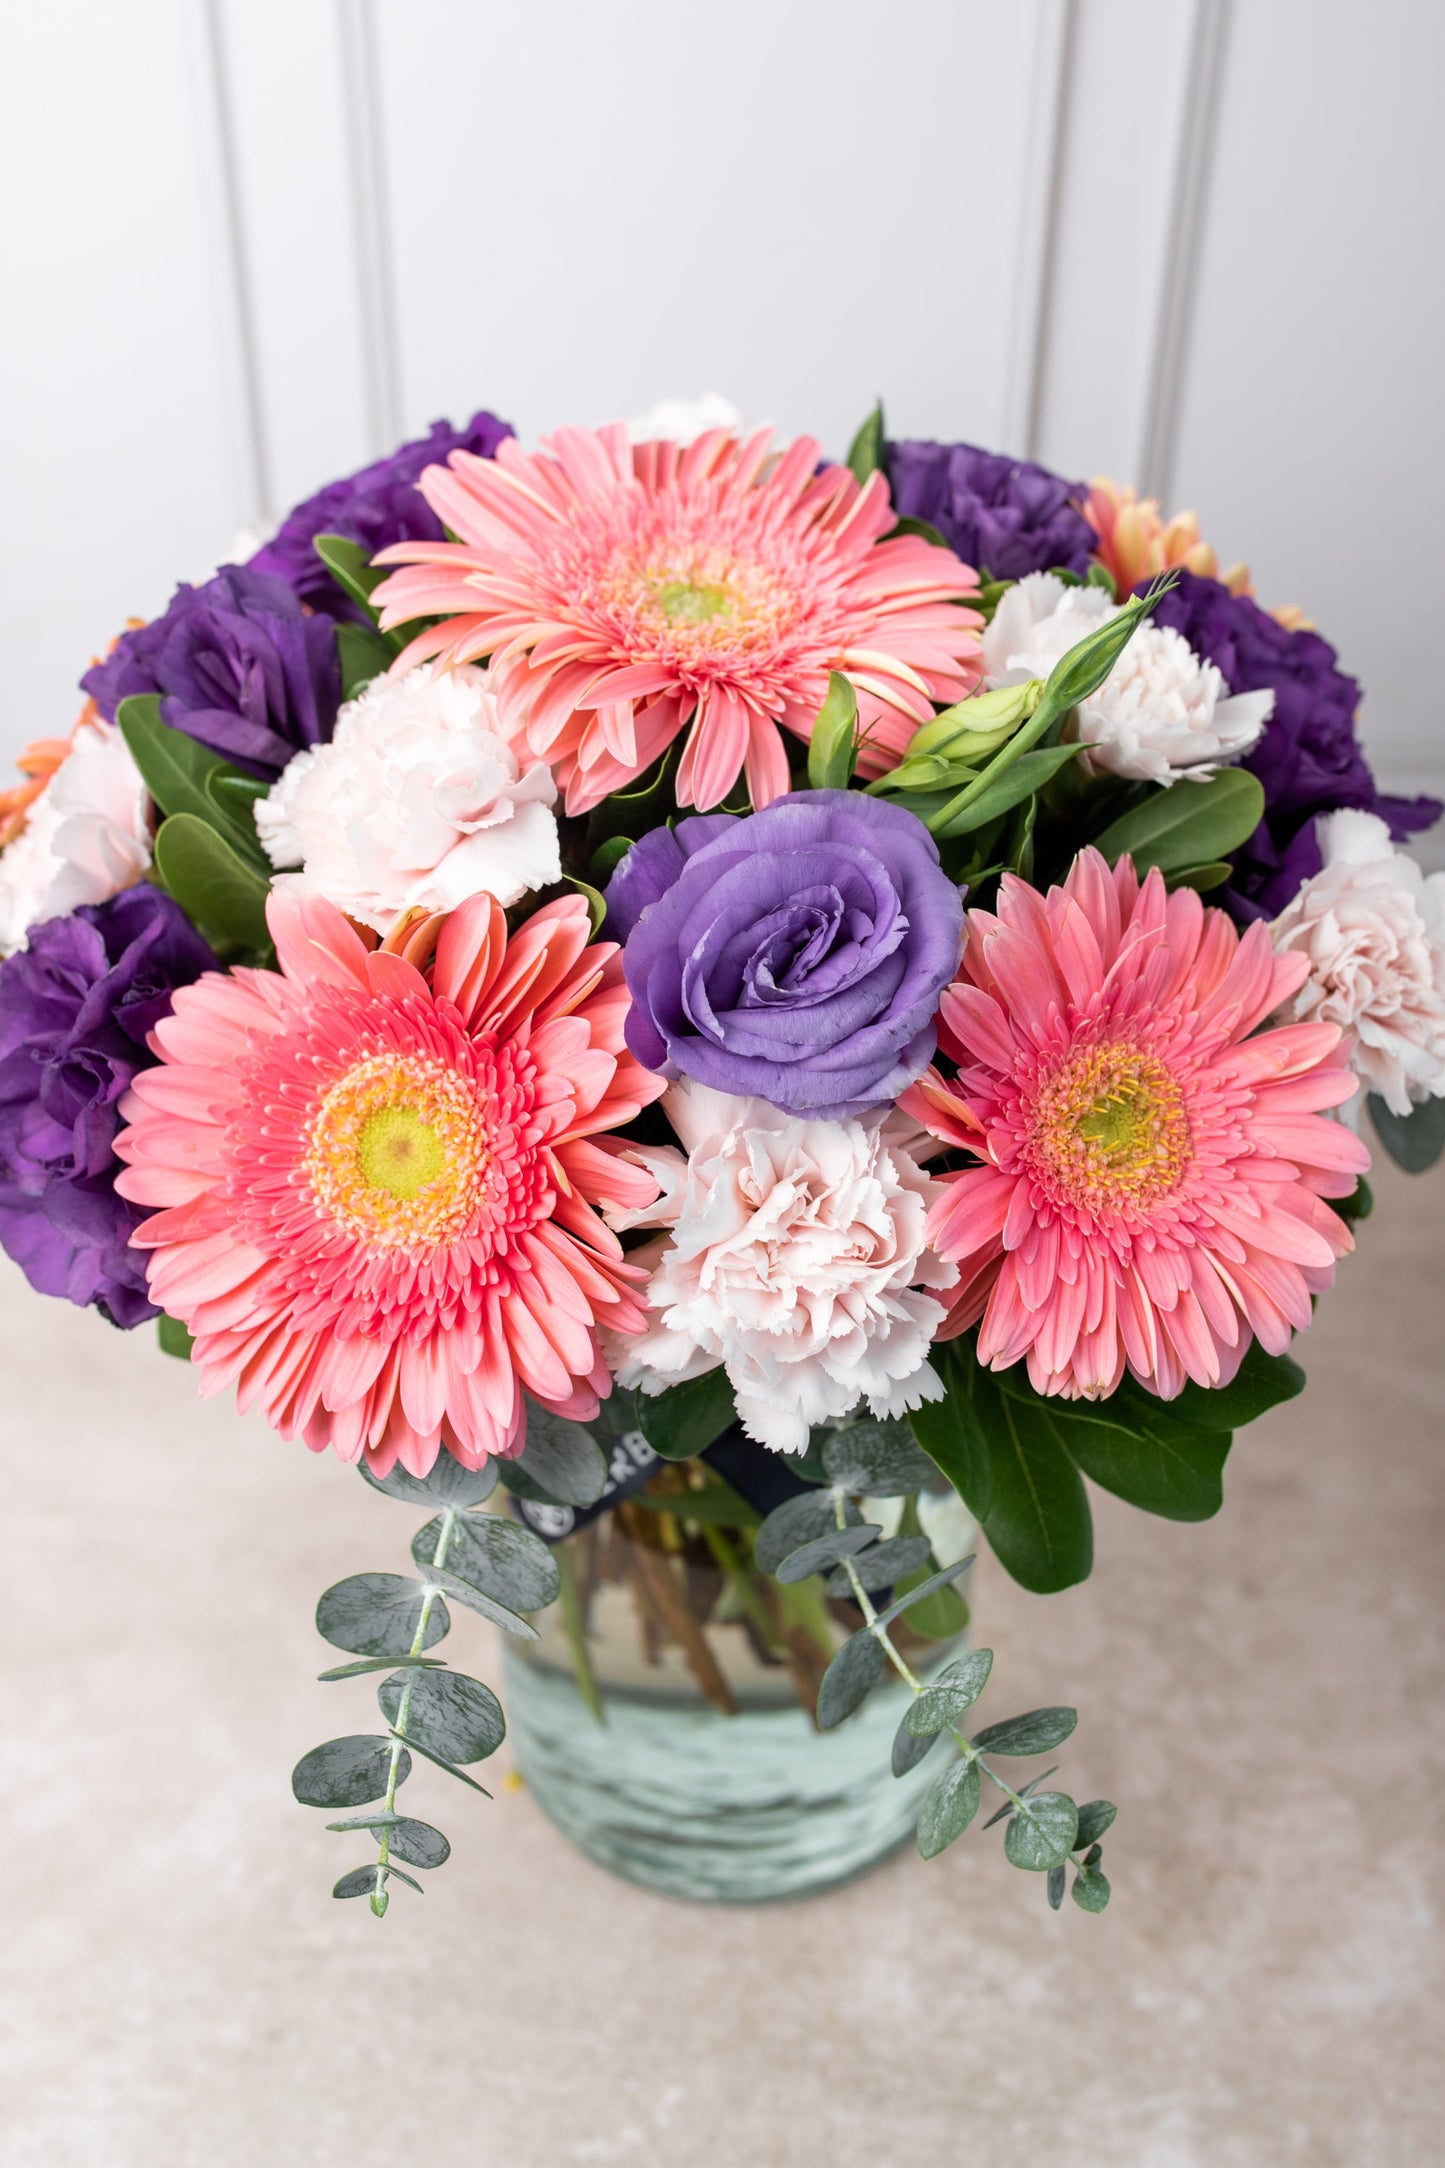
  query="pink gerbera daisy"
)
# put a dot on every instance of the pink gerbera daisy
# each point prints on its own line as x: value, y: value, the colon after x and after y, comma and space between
x: 1153, y: 1165
x: 624, y: 591
x: 377, y: 1174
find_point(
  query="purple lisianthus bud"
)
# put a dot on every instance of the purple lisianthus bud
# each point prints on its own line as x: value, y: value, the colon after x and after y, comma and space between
x: 798, y: 955
x: 1007, y: 517
x: 381, y: 504
x: 75, y: 1008
x: 239, y: 665
x: 1308, y: 759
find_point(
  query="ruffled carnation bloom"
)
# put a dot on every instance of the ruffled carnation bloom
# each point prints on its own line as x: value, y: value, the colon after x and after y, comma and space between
x: 76, y: 1010
x: 1160, y: 713
x: 1152, y: 1166
x: 682, y: 421
x: 381, y: 504
x: 239, y: 665
x: 1008, y: 516
x: 625, y: 592
x: 374, y: 1178
x: 84, y: 836
x: 797, y: 1261
x: 1309, y: 759
x: 796, y: 956
x: 1371, y: 929
x: 1135, y: 543
x: 417, y: 802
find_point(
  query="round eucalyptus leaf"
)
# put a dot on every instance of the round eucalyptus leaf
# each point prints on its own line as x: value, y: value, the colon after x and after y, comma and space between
x: 908, y: 1749
x: 416, y: 1842
x: 1091, y: 1890
x: 882, y: 1565
x: 477, y: 1599
x: 561, y: 1463
x: 347, y: 1772
x: 1095, y: 1816
x: 1037, y: 1733
x: 377, y: 1614
x: 359, y: 1882
x: 825, y: 1551
x: 880, y: 1460
x: 798, y: 1521
x: 848, y: 1679
x: 449, y: 1715
x: 949, y: 1808
x: 447, y: 1484
x: 1057, y: 1877
x: 501, y: 1558
x: 952, y: 1692
x: 1042, y: 1832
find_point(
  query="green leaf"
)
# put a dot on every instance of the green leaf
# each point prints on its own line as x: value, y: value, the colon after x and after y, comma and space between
x: 1041, y: 1834
x: 879, y: 1460
x: 416, y: 1842
x: 1057, y: 1877
x: 940, y: 1705
x: 865, y: 453
x: 363, y: 1664
x: 1261, y: 1382
x: 941, y: 1616
x: 824, y: 1551
x: 560, y: 1465
x: 1035, y: 1784
x: 949, y: 1808
x: 213, y: 884
x: 1352, y: 1209
x: 441, y: 1763
x: 378, y: 1819
x: 908, y: 1598
x: 377, y: 1614
x: 908, y: 1749
x: 1091, y: 1889
x: 1100, y: 576
x: 1037, y: 1733
x: 1187, y: 824
x: 954, y: 1432
x: 498, y: 1556
x: 451, y: 1716
x: 447, y: 1483
x: 1028, y: 774
x: 716, y: 1505
x: 174, y: 1337
x: 883, y: 1565
x: 595, y: 902
x: 685, y: 1419
x: 364, y: 1882
x: 833, y: 746
x: 849, y: 1679
x: 633, y: 812
x: 1137, y: 1447
x: 1095, y: 1818
x: 174, y: 768
x: 923, y: 528
x: 607, y: 858
x: 795, y: 1522
x: 477, y: 1599
x: 347, y: 1772
x: 1038, y: 1518
x: 363, y: 655
x: 1201, y: 877
x: 350, y: 567
x: 1414, y: 1140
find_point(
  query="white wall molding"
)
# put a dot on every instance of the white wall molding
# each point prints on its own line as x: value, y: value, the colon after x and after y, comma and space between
x: 371, y: 220
x: 1198, y: 124
x: 1047, y: 101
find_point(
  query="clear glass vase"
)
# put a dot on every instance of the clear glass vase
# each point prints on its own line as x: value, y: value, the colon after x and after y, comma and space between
x: 665, y: 1719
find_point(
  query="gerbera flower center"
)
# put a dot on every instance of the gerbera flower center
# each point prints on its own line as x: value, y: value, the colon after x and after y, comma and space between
x: 1109, y: 1127
x: 694, y: 601
x: 396, y: 1152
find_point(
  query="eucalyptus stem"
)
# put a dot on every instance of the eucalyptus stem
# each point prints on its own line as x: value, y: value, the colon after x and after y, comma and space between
x: 379, y: 1898
x: 732, y: 1566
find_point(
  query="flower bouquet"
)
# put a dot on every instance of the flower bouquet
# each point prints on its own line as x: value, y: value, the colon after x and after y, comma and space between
x: 716, y: 1021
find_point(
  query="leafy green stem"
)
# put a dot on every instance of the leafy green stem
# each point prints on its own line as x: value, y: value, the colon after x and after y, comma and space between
x: 379, y: 1898
x: 575, y: 1628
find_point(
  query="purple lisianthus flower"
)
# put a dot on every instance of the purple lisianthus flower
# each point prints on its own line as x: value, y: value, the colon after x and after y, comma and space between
x: 1309, y: 759
x: 381, y: 504
x: 239, y: 665
x: 796, y: 955
x: 1006, y: 517
x: 75, y: 1008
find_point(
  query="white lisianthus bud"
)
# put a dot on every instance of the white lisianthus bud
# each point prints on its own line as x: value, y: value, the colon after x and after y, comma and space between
x: 418, y: 800
x: 86, y: 837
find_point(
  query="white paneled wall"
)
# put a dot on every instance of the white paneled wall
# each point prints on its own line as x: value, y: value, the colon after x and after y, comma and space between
x: 250, y: 242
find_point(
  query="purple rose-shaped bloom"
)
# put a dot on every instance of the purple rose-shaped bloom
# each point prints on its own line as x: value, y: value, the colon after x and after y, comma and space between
x: 238, y: 664
x: 1006, y: 517
x: 796, y: 955
x: 75, y: 1008
x: 1308, y: 759
x: 381, y: 504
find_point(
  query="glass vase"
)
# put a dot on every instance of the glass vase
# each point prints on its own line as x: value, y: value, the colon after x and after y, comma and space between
x: 665, y: 1720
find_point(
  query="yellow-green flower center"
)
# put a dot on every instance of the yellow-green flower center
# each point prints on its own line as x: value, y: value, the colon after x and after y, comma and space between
x: 397, y: 1152
x: 1110, y: 1127
x: 689, y: 602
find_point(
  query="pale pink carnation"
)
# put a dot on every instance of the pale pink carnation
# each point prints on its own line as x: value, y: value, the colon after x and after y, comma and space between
x: 86, y: 835
x: 1371, y: 929
x: 798, y: 1261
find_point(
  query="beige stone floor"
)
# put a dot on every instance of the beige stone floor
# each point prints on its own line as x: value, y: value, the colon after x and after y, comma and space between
x: 1262, y: 1696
